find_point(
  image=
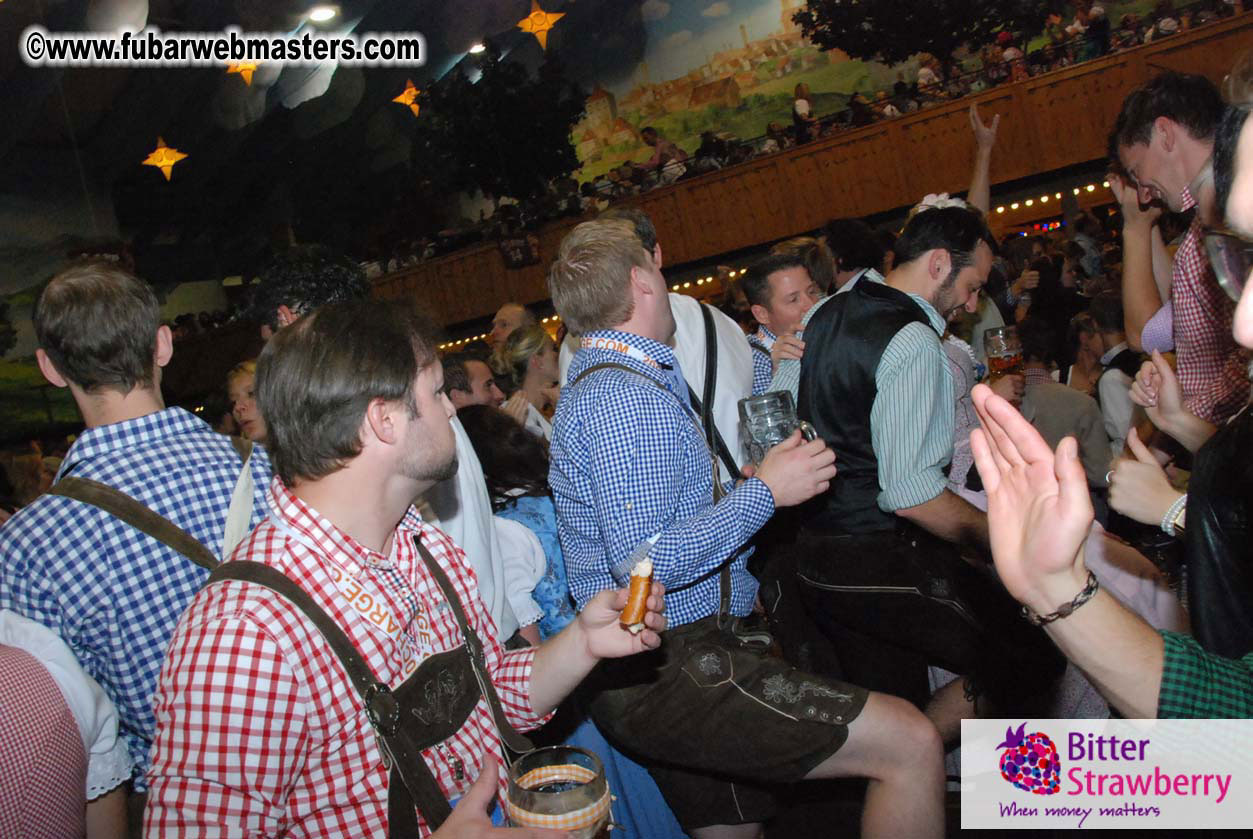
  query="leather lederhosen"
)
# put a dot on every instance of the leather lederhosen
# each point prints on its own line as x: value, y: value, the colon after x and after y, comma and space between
x: 425, y: 710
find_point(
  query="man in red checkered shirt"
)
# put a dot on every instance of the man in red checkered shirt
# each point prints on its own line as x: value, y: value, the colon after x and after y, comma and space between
x: 260, y: 731
x: 1164, y: 139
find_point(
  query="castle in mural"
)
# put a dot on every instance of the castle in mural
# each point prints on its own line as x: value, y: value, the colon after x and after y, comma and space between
x: 732, y: 87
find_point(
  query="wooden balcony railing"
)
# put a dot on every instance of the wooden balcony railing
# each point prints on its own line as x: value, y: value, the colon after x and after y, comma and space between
x: 1049, y: 122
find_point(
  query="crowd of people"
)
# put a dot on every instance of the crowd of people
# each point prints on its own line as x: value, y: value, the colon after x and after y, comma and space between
x: 1011, y: 57
x: 337, y: 622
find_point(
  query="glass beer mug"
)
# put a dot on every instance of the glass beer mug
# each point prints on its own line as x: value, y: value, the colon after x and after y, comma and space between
x: 769, y: 419
x: 559, y: 787
x: 1004, y: 352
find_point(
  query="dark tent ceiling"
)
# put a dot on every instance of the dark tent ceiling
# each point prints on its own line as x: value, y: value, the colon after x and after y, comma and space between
x: 314, y: 153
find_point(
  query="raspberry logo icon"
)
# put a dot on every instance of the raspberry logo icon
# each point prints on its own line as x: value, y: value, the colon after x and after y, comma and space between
x: 1030, y: 762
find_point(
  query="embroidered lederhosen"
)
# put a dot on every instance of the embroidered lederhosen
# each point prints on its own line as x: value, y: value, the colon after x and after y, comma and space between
x: 425, y: 710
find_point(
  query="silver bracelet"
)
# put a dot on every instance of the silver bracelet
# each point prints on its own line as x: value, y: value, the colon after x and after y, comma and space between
x: 1066, y: 609
x: 1172, y: 513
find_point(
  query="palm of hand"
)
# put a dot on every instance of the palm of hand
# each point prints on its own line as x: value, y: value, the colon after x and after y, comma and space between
x: 1039, y: 510
x: 1034, y: 532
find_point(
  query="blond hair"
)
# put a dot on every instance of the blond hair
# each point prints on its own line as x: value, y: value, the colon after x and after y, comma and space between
x: 509, y: 360
x: 243, y: 368
x: 590, y: 279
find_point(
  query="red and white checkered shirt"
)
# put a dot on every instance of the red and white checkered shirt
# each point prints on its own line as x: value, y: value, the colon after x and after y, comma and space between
x: 1212, y: 367
x: 259, y: 730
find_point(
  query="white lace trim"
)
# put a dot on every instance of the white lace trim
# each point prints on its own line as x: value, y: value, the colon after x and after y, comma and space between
x: 108, y: 760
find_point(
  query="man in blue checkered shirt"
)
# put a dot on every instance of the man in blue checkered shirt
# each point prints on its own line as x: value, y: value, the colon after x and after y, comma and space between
x: 714, y: 718
x: 112, y: 593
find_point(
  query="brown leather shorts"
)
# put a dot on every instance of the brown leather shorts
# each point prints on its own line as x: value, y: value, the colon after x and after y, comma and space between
x: 714, y: 719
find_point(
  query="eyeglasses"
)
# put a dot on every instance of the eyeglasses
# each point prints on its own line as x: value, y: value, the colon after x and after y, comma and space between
x: 1232, y: 258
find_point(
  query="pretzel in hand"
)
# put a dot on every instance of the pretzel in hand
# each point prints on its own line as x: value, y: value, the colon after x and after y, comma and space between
x: 637, y: 596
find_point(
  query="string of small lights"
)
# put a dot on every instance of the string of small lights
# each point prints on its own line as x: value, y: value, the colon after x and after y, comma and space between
x: 1044, y: 199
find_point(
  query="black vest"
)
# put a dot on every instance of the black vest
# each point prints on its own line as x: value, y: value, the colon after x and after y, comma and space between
x: 843, y: 344
x: 1128, y: 361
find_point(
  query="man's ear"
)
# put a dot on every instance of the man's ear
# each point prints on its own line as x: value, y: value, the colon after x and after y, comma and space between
x: 639, y: 281
x: 761, y: 313
x: 939, y: 263
x: 49, y: 370
x: 165, y: 346
x: 657, y: 255
x: 286, y: 317
x: 380, y: 421
x: 1167, y: 128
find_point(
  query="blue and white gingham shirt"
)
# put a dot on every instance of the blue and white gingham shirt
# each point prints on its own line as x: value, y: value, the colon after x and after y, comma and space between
x: 113, y: 594
x: 629, y: 462
x: 763, y: 365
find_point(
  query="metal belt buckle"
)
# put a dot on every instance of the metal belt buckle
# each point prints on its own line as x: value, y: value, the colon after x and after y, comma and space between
x: 382, y: 709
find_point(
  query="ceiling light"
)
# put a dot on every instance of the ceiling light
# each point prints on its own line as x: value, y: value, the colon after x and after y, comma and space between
x: 1076, y: 190
x: 1029, y: 201
x: 321, y: 14
x: 1058, y: 196
x: 1044, y: 199
x: 1091, y: 187
x: 1105, y: 184
x: 1000, y: 209
x: 1014, y: 206
x: 478, y: 48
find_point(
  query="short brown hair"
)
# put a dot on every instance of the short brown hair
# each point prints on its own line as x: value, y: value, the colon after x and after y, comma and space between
x: 590, y: 279
x: 98, y: 325
x: 316, y: 377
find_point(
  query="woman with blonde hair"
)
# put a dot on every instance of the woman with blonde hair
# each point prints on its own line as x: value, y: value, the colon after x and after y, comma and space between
x: 526, y: 370
x: 239, y: 388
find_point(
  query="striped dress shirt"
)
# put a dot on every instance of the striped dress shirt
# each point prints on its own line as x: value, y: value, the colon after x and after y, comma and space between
x: 911, y: 420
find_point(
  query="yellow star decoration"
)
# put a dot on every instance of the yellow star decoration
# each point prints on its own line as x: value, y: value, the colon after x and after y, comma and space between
x: 409, y: 97
x: 244, y: 68
x: 163, y: 157
x: 538, y: 22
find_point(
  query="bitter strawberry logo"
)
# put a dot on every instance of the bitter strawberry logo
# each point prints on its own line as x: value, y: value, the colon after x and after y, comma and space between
x: 1030, y: 762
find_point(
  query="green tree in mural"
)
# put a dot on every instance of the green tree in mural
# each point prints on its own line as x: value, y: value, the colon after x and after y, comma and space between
x: 8, y: 335
x: 504, y: 133
x: 893, y: 30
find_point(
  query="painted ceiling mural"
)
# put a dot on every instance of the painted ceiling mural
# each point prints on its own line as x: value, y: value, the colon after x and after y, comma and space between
x: 728, y: 66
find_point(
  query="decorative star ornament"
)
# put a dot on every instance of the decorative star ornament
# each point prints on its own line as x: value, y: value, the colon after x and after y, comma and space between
x: 244, y: 68
x: 538, y: 22
x: 409, y: 97
x: 163, y: 157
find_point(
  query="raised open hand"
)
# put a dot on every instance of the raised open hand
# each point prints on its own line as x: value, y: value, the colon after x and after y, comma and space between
x: 1039, y: 511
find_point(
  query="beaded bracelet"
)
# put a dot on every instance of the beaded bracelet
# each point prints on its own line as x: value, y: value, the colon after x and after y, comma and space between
x: 1172, y: 514
x: 1066, y: 609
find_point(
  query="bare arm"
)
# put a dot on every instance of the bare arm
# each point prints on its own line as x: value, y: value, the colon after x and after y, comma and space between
x: 952, y: 518
x: 106, y: 815
x: 564, y: 660
x: 1163, y: 267
x: 1040, y: 514
x: 1140, y: 295
x: 980, y: 192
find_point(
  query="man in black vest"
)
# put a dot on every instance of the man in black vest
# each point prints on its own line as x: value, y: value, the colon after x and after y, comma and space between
x: 1119, y: 365
x: 876, y: 553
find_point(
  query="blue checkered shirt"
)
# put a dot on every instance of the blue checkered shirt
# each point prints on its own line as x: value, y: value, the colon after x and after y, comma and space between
x: 113, y: 594
x: 629, y: 462
x: 761, y: 342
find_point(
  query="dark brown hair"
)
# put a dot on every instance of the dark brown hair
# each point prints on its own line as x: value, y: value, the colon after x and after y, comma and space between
x: 98, y: 324
x: 512, y: 457
x: 316, y: 377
